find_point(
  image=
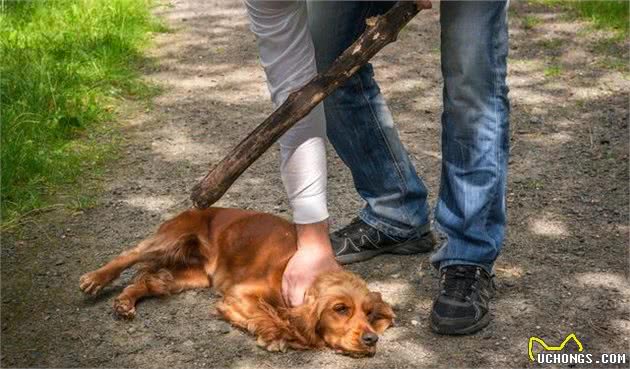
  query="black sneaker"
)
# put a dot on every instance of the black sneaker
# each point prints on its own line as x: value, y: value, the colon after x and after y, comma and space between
x: 462, y: 305
x: 358, y: 242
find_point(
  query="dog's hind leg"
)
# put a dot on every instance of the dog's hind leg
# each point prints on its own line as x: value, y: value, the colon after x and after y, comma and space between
x: 163, y: 250
x: 92, y: 282
x: 159, y: 282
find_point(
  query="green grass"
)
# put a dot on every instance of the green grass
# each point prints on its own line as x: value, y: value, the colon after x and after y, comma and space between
x: 553, y: 70
x: 64, y: 67
x: 612, y: 14
x: 530, y: 22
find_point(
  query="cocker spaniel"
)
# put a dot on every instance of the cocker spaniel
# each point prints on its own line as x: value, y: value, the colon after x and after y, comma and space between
x: 243, y: 254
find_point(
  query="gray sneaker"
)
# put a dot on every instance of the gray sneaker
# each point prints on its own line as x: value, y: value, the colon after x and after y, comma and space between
x: 359, y: 242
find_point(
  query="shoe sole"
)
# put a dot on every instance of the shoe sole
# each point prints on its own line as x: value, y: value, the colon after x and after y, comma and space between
x: 424, y: 244
x: 451, y: 331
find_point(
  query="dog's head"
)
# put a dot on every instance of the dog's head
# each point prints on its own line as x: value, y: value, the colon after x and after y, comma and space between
x: 344, y: 314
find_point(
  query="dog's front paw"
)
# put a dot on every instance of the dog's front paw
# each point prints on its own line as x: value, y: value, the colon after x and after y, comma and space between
x: 272, y: 346
x: 91, y: 283
x: 124, y: 308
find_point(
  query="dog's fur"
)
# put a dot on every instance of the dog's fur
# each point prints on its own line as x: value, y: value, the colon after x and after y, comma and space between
x: 243, y: 254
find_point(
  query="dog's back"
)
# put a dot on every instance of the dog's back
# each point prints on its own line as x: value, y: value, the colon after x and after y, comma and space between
x: 236, y: 246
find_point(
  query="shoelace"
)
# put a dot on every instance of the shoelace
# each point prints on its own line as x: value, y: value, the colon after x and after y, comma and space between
x: 460, y: 282
x: 362, y: 228
x: 353, y: 223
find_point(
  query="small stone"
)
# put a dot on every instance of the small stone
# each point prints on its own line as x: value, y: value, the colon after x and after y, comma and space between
x: 537, y: 327
x: 414, y: 322
x: 59, y: 262
x: 396, y: 275
x: 131, y: 330
x: 224, y: 329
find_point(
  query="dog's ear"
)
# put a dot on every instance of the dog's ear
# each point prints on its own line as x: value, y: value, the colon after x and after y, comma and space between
x: 382, y: 315
x: 304, y: 320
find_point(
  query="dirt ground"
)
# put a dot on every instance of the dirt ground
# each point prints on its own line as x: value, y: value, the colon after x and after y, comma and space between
x: 564, y: 268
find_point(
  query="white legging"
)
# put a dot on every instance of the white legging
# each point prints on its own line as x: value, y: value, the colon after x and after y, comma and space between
x: 288, y: 57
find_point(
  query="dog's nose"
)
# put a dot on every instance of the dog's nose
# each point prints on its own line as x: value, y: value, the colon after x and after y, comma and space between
x: 369, y: 338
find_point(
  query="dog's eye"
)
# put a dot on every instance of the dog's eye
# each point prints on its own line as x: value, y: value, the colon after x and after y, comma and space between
x: 340, y: 309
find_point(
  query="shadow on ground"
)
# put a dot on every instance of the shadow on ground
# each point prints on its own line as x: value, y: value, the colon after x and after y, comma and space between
x: 564, y: 265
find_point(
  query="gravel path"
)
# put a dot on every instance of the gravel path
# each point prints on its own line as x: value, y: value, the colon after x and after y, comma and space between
x: 565, y: 263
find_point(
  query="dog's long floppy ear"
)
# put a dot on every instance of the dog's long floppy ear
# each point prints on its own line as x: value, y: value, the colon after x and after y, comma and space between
x: 382, y: 315
x: 305, y: 319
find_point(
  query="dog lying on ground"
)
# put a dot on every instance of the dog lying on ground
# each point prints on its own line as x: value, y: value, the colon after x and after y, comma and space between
x: 243, y: 254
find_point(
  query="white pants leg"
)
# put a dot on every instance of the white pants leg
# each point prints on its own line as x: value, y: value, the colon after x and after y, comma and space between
x: 288, y: 57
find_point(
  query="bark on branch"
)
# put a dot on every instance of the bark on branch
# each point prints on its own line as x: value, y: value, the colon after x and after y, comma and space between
x: 380, y: 31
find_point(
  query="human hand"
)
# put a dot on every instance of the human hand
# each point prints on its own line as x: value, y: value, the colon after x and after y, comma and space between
x: 424, y: 4
x: 313, y: 256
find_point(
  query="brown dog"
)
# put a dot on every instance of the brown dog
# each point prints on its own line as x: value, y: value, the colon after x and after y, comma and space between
x: 242, y: 254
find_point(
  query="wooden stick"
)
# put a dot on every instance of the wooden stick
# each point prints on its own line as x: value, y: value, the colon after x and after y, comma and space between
x: 380, y: 31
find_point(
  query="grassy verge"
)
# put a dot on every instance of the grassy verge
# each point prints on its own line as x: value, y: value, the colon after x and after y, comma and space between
x: 611, y: 14
x: 64, y: 67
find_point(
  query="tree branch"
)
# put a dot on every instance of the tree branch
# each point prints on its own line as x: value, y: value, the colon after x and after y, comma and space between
x: 380, y: 31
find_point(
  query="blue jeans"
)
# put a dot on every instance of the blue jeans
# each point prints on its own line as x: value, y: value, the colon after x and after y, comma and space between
x: 471, y: 208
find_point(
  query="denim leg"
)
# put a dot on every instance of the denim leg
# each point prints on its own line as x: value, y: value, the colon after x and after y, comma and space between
x: 360, y: 125
x: 475, y: 133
